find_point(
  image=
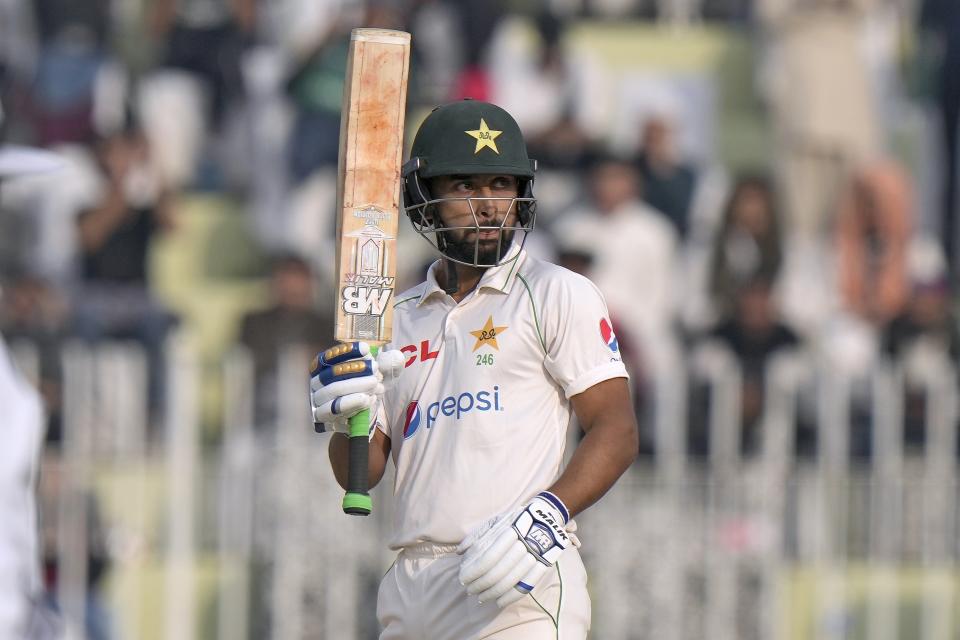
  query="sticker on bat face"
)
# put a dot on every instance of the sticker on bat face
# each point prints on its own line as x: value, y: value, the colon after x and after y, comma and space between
x: 371, y: 214
x: 366, y: 289
x: 367, y: 298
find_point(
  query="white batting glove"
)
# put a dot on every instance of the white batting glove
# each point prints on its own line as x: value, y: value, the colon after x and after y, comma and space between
x: 345, y: 380
x: 505, y: 557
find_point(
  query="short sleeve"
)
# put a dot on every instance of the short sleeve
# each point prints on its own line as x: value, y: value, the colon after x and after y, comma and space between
x: 379, y: 417
x: 579, y: 339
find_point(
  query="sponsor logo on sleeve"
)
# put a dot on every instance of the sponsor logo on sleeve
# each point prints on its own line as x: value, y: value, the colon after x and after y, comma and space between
x: 609, y: 337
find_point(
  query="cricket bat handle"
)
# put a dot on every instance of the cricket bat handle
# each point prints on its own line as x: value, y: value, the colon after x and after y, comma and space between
x: 357, y: 500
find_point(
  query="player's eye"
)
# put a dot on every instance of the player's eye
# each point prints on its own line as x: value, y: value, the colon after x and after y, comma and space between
x: 503, y: 183
x: 462, y: 186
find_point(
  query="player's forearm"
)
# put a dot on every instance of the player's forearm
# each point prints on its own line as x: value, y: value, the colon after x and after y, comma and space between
x: 339, y: 459
x: 605, y: 452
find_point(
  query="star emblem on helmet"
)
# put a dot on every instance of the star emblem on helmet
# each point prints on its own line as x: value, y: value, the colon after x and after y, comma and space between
x: 485, y: 137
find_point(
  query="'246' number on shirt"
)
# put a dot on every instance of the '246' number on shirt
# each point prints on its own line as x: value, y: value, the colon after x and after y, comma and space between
x: 484, y: 359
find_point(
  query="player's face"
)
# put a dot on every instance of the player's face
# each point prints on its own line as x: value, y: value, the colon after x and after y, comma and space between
x: 477, y: 212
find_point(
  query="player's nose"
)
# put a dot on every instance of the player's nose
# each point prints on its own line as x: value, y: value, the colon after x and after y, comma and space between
x: 489, y: 205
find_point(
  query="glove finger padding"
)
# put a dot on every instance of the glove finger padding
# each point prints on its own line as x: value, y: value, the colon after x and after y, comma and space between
x: 480, y: 533
x: 344, y: 380
x: 342, y: 407
x: 487, y: 552
x: 512, y: 554
x: 524, y: 585
x: 327, y: 376
x: 516, y: 570
x: 368, y: 385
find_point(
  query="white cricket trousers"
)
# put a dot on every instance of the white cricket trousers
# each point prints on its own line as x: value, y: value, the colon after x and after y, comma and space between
x: 421, y: 598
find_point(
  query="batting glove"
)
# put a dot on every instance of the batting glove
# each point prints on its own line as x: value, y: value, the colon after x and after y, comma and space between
x: 505, y: 557
x: 345, y: 380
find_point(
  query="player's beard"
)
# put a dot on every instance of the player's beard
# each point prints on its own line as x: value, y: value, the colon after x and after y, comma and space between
x: 466, y: 250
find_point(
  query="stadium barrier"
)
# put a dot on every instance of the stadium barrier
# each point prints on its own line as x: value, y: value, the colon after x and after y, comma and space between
x: 243, y: 537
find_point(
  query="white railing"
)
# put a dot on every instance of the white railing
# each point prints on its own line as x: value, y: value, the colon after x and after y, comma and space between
x: 245, y: 538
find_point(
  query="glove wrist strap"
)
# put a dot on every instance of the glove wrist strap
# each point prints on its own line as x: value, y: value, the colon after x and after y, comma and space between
x: 557, y: 504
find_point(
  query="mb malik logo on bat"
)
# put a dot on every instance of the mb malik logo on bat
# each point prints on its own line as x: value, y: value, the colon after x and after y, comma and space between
x: 366, y: 291
x: 366, y: 295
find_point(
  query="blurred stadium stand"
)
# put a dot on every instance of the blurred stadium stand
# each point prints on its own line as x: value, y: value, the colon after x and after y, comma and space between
x: 814, y: 499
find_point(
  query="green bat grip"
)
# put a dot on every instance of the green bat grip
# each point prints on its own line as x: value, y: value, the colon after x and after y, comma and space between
x: 357, y: 500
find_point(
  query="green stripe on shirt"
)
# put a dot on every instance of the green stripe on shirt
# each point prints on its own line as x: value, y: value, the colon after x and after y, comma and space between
x: 533, y: 305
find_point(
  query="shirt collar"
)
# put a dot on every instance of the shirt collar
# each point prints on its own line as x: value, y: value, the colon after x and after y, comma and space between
x: 500, y: 278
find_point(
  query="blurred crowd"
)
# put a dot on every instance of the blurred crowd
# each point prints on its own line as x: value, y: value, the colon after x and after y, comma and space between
x: 840, y: 243
x: 837, y: 242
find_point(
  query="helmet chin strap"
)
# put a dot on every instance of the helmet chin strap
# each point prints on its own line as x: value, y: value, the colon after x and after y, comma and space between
x: 452, y: 283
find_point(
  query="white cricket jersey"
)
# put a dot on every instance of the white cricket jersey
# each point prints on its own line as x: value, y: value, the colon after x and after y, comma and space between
x: 479, y: 416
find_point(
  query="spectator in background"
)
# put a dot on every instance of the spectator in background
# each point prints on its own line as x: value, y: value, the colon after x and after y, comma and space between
x: 580, y: 261
x: 98, y: 623
x: 668, y: 182
x: 114, y: 299
x: 545, y: 86
x: 531, y: 73
x: 873, y: 231
x: 206, y: 38
x: 634, y: 254
x: 822, y: 107
x: 316, y: 88
x: 478, y: 20
x: 940, y: 19
x: 436, y: 53
x: 924, y: 339
x: 748, y: 244
x: 32, y: 311
x: 754, y: 333
x: 74, y: 40
x: 291, y: 321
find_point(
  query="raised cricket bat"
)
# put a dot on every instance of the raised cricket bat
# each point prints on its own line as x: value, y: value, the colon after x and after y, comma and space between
x: 368, y: 206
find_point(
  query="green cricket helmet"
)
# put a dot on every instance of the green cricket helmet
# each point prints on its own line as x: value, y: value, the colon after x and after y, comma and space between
x: 468, y: 137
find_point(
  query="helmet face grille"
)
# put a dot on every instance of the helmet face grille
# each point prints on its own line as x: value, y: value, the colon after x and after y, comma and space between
x: 473, y: 250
